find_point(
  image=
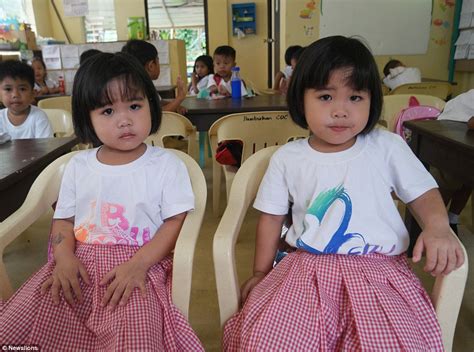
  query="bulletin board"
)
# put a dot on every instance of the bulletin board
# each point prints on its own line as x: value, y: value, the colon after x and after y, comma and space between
x: 389, y: 27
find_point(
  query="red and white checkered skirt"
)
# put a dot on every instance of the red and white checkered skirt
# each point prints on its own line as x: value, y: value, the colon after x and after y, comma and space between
x: 336, y: 302
x: 151, y: 323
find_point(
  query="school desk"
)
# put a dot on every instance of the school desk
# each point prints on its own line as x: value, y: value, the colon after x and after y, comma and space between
x: 21, y: 161
x: 446, y: 145
x: 203, y: 113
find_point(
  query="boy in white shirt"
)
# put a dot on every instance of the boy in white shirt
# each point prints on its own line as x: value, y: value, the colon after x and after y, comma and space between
x: 396, y: 74
x: 219, y: 82
x: 20, y: 119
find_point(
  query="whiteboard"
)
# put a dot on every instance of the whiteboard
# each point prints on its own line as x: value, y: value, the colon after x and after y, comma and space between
x: 390, y: 27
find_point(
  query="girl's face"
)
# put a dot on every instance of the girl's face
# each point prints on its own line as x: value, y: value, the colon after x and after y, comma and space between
x: 336, y: 114
x: 201, y: 69
x: 122, y: 126
x: 40, y: 72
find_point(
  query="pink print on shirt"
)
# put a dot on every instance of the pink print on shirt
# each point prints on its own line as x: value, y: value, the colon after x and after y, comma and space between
x: 113, y: 228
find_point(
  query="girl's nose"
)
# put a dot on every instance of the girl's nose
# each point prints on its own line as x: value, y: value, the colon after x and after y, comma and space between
x: 339, y: 113
x: 125, y: 121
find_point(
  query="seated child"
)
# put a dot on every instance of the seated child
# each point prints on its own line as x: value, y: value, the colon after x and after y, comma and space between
x: 108, y: 285
x: 219, y: 82
x: 147, y: 54
x: 291, y: 57
x: 87, y: 54
x: 20, y: 119
x: 203, y: 67
x: 455, y: 193
x: 43, y: 85
x: 397, y: 74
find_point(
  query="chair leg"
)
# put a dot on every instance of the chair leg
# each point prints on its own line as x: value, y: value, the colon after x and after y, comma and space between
x: 202, y: 148
x: 216, y: 186
x: 209, y: 151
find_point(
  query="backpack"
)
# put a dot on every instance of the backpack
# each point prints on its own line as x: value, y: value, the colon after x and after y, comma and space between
x: 414, y: 111
x: 229, y: 152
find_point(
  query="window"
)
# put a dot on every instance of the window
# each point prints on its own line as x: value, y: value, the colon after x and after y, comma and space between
x: 180, y: 19
x: 17, y: 11
x: 100, y: 22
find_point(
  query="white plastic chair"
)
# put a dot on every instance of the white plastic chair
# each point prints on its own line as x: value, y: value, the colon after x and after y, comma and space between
x: 174, y: 124
x: 63, y: 103
x: 393, y: 104
x: 446, y: 295
x: 44, y: 193
x: 441, y: 90
x: 256, y: 130
x: 61, y: 122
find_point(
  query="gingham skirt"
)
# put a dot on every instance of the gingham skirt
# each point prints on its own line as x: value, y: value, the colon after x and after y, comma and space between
x: 152, y: 323
x: 336, y: 303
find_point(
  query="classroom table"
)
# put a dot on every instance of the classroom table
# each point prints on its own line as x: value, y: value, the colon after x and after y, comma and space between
x: 446, y: 145
x: 21, y: 162
x: 203, y: 112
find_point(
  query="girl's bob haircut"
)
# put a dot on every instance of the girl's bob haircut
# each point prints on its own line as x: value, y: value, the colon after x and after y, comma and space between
x: 91, y: 90
x: 320, y: 59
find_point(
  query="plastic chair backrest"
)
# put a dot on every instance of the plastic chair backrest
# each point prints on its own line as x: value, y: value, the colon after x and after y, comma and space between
x: 393, y: 104
x: 44, y: 193
x: 63, y: 103
x: 256, y: 130
x: 61, y: 122
x: 414, y: 111
x: 447, y: 291
x: 441, y: 90
x: 174, y: 124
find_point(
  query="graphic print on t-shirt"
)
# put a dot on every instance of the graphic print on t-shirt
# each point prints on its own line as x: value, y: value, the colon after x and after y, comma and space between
x: 325, y: 225
x: 110, y: 226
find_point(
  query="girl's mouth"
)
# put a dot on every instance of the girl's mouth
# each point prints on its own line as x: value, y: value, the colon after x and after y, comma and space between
x: 338, y: 128
x: 127, y: 136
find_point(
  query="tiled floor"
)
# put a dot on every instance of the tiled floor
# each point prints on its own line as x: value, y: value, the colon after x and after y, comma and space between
x: 28, y: 252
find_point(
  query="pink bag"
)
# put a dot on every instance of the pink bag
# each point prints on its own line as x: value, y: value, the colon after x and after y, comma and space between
x: 414, y: 111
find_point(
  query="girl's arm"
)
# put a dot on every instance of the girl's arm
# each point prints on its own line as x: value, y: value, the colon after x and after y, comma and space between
x: 266, y: 245
x: 53, y: 90
x: 278, y: 77
x: 125, y: 277
x: 443, y: 252
x: 174, y: 105
x: 68, y: 267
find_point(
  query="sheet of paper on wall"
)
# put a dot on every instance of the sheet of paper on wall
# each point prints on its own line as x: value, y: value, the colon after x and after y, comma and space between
x: 163, y: 50
x: 165, y: 77
x: 70, y: 56
x: 467, y: 6
x: 83, y: 47
x: 465, y: 20
x: 51, y: 57
x: 76, y: 7
x: 464, y: 37
x: 461, y: 51
x: 114, y: 47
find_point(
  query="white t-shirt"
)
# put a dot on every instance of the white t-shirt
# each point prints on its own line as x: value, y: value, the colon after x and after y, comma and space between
x: 49, y: 83
x: 341, y: 202
x: 36, y: 125
x: 123, y: 204
x: 402, y: 75
x: 287, y: 72
x: 227, y: 85
x: 202, y: 84
x: 460, y: 108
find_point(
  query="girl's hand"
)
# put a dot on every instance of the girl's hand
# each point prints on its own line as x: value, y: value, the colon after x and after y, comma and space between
x: 194, y: 79
x: 65, y: 277
x: 443, y: 252
x: 181, y: 88
x: 44, y: 90
x: 125, y: 278
x: 181, y: 110
x: 249, y: 285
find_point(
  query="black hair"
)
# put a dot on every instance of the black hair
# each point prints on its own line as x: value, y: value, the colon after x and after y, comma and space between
x: 320, y: 59
x: 391, y: 64
x: 17, y: 70
x: 206, y: 60
x: 297, y: 54
x: 290, y: 51
x: 225, y: 50
x: 91, y: 90
x: 142, y: 50
x: 87, y: 54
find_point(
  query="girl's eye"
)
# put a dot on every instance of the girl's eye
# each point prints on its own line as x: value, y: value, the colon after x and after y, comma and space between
x: 107, y: 112
x: 356, y: 98
x: 325, y: 97
x: 135, y: 107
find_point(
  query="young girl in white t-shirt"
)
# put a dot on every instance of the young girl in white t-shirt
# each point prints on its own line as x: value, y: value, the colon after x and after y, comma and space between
x: 43, y: 85
x: 120, y: 209
x: 203, y: 67
x: 346, y: 285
